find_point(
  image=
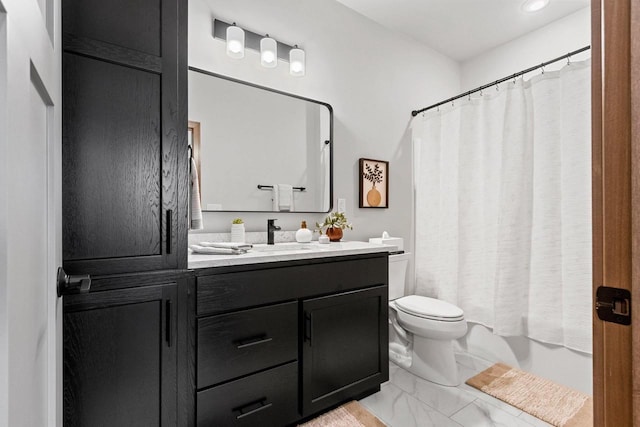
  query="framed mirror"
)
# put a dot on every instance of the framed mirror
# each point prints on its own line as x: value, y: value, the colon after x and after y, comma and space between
x: 258, y: 146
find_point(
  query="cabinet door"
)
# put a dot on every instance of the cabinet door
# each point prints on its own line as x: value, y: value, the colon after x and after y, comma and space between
x: 345, y: 348
x: 120, y: 357
x: 124, y: 127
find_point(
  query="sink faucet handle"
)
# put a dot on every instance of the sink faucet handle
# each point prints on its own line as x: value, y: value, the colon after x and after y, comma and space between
x: 271, y: 224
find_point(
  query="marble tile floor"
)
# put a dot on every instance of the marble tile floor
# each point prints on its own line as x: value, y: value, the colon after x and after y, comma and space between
x: 409, y: 401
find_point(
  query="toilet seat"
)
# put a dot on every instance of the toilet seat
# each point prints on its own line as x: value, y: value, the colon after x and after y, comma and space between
x: 429, y: 308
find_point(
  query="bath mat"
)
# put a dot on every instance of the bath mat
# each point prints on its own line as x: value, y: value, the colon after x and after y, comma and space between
x: 551, y: 402
x: 351, y: 414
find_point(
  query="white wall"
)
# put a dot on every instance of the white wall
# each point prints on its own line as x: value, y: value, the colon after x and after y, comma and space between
x: 560, y: 37
x: 372, y: 77
x: 551, y: 41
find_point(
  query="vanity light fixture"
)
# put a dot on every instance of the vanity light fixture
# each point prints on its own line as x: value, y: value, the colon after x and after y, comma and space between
x: 235, y: 41
x: 270, y: 49
x: 531, y: 6
x: 268, y: 52
x: 296, y: 61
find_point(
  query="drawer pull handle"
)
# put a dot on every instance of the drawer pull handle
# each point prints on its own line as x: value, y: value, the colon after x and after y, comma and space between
x: 260, y: 402
x: 169, y: 229
x: 308, y: 327
x: 252, y: 341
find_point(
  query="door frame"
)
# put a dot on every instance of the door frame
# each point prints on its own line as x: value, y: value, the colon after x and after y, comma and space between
x: 634, y: 15
x: 616, y: 205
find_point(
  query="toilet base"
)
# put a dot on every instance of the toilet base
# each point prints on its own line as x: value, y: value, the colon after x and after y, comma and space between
x: 434, y: 360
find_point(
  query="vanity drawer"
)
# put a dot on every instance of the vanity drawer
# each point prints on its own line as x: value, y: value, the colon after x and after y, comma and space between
x: 231, y: 291
x: 240, y: 343
x: 269, y: 398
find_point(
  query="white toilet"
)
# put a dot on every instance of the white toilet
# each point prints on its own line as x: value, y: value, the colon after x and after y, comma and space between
x: 422, y: 329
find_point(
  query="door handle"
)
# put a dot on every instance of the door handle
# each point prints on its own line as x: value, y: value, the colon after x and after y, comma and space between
x: 72, y: 283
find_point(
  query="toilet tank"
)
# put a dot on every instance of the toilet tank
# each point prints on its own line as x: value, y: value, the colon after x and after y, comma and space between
x: 397, y: 273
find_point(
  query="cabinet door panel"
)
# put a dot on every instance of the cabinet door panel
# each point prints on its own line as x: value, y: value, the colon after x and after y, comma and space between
x: 345, y: 349
x: 138, y: 22
x: 112, y: 156
x: 120, y: 358
x: 125, y: 168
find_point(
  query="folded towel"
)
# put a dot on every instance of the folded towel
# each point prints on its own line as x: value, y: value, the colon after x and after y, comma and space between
x: 275, y: 197
x: 228, y: 245
x: 216, y: 251
x: 196, y: 222
x: 283, y: 197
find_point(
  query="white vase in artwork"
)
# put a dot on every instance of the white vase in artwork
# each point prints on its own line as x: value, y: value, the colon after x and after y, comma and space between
x: 237, y: 233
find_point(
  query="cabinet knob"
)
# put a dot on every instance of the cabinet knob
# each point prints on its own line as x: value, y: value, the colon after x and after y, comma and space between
x: 72, y: 283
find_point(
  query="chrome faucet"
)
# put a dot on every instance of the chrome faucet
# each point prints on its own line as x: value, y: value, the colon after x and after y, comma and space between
x: 271, y: 227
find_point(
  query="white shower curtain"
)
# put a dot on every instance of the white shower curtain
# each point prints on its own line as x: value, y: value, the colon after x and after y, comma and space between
x: 503, y: 207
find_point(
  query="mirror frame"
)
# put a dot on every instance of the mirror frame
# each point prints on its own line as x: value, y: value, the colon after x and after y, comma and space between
x: 329, y: 142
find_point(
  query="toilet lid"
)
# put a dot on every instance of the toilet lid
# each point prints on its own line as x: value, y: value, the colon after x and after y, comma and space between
x: 429, y: 308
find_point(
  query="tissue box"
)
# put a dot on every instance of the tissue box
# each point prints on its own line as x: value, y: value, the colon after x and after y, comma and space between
x: 395, y: 241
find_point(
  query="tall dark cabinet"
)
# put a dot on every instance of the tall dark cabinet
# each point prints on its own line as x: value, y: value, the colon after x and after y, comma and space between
x: 124, y: 207
x: 124, y: 139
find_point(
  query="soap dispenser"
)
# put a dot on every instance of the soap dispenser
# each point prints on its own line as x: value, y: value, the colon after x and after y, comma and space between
x: 303, y: 235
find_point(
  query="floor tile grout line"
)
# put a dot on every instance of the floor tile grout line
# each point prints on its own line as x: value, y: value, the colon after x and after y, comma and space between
x: 436, y: 409
x: 465, y: 406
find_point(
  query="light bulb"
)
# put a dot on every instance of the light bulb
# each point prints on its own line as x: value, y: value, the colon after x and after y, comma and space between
x: 235, y: 46
x: 268, y: 57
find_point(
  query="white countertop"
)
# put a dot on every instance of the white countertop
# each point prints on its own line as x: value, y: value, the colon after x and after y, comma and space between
x: 262, y: 253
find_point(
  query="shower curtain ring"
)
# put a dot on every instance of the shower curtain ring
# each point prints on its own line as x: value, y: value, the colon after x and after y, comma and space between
x: 542, y: 67
x: 569, y: 60
x: 497, y: 88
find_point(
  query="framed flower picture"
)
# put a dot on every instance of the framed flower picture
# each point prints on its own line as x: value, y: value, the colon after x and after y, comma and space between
x: 374, y: 183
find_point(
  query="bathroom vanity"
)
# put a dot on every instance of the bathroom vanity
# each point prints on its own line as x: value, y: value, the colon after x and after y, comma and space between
x: 283, y: 335
x: 271, y: 337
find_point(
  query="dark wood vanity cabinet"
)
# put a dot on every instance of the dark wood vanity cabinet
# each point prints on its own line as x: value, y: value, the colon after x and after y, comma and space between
x: 124, y: 149
x: 280, y: 342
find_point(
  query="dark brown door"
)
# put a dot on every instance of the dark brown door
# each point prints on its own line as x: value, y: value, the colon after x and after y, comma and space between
x: 345, y: 348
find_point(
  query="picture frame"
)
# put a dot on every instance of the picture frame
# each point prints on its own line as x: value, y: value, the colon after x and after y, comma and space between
x: 374, y: 184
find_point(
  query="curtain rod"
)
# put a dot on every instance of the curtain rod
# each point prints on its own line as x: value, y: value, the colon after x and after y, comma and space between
x: 512, y: 76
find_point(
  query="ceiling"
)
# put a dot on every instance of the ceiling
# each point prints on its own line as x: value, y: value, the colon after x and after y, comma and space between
x: 462, y: 29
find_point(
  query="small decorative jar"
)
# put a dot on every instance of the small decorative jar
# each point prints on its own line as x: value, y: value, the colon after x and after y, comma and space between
x: 303, y: 235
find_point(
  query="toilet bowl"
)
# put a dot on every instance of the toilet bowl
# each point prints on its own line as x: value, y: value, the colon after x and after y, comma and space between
x: 422, y: 329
